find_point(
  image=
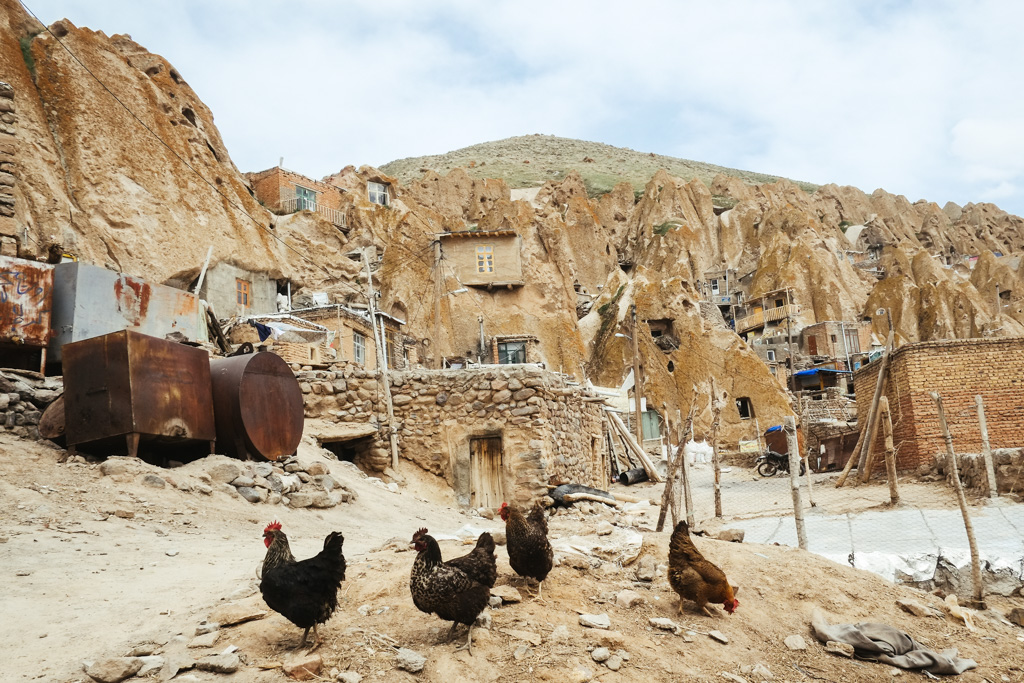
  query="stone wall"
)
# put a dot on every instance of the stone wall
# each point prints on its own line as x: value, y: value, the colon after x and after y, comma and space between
x: 8, y: 226
x: 23, y: 398
x: 548, y: 431
x: 1007, y: 462
x: 957, y: 370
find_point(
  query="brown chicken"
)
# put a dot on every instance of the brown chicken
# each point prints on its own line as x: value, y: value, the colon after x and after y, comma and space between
x: 305, y: 591
x: 693, y: 577
x: 456, y: 590
x: 529, y: 552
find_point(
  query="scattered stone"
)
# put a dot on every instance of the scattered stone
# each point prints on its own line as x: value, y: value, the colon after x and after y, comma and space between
x: 154, y: 481
x: 732, y: 677
x: 303, y: 667
x: 232, y: 614
x: 224, y: 472
x: 664, y: 623
x: 605, y: 528
x: 112, y: 466
x: 486, y: 513
x: 614, y: 662
x: 411, y: 661
x: 263, y: 469
x: 762, y: 672
x: 627, y: 598
x: 719, y: 636
x: 1016, y: 615
x: 206, y: 640
x: 622, y: 654
x: 646, y: 569
x: 143, y: 650
x: 317, y: 468
x: 841, y: 649
x: 483, y: 620
x: 560, y: 634
x: 608, y: 639
x: 521, y: 652
x: 600, y: 654
x: 600, y: 621
x: 124, y: 513
x: 349, y: 677
x: 529, y: 636
x: 207, y: 627
x: 150, y: 663
x: 204, y: 489
x: 224, y: 663
x: 795, y: 642
x: 300, y: 499
x: 914, y: 607
x: 113, y: 670
x: 244, y: 480
x: 507, y: 594
x: 171, y: 553
x: 732, y: 535
x: 494, y: 602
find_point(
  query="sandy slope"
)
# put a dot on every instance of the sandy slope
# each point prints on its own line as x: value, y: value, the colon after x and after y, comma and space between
x: 83, y: 588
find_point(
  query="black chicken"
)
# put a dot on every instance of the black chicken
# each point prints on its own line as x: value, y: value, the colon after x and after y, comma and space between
x: 456, y: 590
x: 529, y: 552
x: 306, y: 591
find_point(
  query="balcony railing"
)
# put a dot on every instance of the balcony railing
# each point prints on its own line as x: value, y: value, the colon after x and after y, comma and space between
x: 294, y: 204
x: 768, y: 315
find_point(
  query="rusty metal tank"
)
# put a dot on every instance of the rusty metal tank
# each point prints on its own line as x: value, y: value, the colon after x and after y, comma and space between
x: 124, y: 388
x: 258, y: 406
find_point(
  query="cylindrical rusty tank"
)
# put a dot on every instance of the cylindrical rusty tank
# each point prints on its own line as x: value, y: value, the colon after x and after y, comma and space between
x: 257, y: 404
x: 633, y: 476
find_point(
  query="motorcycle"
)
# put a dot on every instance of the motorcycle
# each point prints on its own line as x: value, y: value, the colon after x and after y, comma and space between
x: 770, y: 463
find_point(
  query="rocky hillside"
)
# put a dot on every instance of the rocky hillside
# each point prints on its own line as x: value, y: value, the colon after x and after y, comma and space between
x: 531, y: 160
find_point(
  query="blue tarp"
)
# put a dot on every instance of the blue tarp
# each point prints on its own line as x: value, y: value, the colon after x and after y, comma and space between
x: 773, y: 429
x: 815, y: 371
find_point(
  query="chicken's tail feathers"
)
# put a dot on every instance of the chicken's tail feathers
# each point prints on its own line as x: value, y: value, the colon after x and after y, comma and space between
x: 680, y: 544
x: 332, y: 550
x: 485, y: 542
x: 335, y: 538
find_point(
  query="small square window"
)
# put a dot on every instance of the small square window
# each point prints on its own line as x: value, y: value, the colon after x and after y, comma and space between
x: 485, y: 258
x: 242, y: 292
x: 378, y: 193
x: 511, y: 352
x: 745, y: 408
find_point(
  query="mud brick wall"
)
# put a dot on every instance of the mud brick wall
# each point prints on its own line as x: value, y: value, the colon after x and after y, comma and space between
x: 548, y: 431
x: 1008, y: 464
x: 957, y: 370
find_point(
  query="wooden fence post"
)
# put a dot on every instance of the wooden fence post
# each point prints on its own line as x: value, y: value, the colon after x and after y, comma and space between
x: 979, y: 589
x: 890, y: 453
x: 716, y: 413
x: 794, y: 480
x: 869, y: 430
x: 986, y: 450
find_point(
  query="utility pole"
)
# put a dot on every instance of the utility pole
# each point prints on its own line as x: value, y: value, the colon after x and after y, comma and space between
x: 639, y: 429
x: 789, y: 345
x: 435, y: 343
x: 382, y: 364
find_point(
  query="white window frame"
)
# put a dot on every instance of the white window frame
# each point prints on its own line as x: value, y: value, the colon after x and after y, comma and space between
x: 359, y: 347
x: 377, y: 193
x: 771, y: 354
x: 714, y: 286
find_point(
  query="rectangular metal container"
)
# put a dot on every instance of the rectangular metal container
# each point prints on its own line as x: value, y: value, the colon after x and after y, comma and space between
x: 126, y: 387
x: 26, y: 293
x: 89, y: 301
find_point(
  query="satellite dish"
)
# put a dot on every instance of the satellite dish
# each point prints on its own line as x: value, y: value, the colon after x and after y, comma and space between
x: 880, y: 311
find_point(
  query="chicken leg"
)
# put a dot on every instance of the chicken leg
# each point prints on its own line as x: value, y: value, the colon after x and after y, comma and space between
x: 469, y: 642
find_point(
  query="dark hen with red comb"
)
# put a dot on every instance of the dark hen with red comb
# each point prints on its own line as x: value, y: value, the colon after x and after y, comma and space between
x: 306, y: 591
x: 456, y: 590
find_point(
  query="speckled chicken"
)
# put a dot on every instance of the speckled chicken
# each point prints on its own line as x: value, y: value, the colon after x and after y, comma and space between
x: 529, y: 552
x: 456, y: 590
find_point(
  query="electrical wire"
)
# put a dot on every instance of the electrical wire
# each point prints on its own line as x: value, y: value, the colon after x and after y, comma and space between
x: 177, y: 156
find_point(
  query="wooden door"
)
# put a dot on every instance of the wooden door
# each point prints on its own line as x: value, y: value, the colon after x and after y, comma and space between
x: 485, y: 472
x: 812, y: 345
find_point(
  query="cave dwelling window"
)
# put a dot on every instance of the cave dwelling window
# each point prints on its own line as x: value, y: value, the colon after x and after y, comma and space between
x: 852, y: 341
x: 378, y: 193
x: 745, y: 408
x: 485, y: 258
x: 714, y: 287
x: 305, y: 199
x: 771, y: 354
x: 359, y: 347
x: 242, y: 292
x: 511, y: 352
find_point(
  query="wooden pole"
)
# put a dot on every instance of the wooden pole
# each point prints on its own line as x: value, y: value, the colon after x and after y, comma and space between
x: 868, y: 430
x: 986, y: 449
x: 627, y: 439
x: 668, y: 495
x: 716, y: 412
x: 979, y: 589
x: 637, y: 392
x: 890, y: 453
x: 675, y: 472
x: 684, y: 464
x: 436, y: 341
x: 382, y: 363
x: 868, y: 446
x: 794, y: 480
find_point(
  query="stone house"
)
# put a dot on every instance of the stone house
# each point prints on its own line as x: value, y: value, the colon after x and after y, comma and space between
x: 283, y: 191
x: 485, y: 258
x: 837, y: 340
x: 353, y: 339
x: 957, y: 370
x: 498, y: 433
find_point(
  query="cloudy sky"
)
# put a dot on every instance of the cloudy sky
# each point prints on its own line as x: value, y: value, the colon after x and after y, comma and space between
x: 921, y: 98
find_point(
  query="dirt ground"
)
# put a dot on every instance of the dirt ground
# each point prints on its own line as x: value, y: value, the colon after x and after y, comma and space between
x: 85, y: 583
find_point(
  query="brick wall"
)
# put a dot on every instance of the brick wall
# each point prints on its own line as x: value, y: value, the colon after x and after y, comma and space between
x: 957, y: 371
x: 274, y: 183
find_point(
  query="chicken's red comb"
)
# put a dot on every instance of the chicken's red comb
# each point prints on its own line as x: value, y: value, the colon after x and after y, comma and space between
x: 504, y: 505
x: 419, y: 534
x: 273, y: 526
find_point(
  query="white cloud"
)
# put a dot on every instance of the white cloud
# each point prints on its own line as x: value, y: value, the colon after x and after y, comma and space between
x: 912, y: 96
